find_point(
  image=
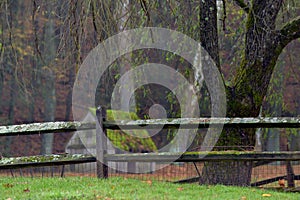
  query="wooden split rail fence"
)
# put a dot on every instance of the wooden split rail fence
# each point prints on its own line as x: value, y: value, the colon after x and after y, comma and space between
x: 102, y: 157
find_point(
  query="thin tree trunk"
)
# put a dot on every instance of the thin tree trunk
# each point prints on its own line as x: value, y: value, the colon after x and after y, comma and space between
x: 11, y: 114
x: 48, y: 89
x: 12, y: 8
x: 71, y: 79
x: 273, y: 107
x: 50, y: 108
x: 1, y: 87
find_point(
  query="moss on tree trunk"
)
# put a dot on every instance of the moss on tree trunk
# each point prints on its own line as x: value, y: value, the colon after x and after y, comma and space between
x: 263, y: 45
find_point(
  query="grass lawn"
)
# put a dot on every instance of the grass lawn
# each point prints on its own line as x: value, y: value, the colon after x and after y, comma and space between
x: 122, y: 188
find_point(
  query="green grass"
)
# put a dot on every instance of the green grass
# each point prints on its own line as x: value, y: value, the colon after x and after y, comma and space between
x: 121, y: 188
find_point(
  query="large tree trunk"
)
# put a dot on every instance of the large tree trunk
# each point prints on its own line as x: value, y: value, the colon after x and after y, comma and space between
x: 227, y: 173
x: 263, y: 44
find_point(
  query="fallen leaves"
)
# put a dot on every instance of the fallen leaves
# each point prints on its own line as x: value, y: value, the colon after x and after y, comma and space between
x: 8, y: 185
x: 149, y: 182
x: 281, y: 183
x: 103, y: 198
x: 266, y: 195
x: 26, y: 190
x: 180, y: 188
x: 263, y: 195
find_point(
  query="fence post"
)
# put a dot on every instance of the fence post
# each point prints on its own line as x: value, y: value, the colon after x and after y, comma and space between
x: 101, y: 145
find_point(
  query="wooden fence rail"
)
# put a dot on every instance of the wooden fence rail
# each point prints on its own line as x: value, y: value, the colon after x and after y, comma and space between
x: 186, y: 123
x: 45, y: 160
x: 45, y: 127
x: 212, y: 156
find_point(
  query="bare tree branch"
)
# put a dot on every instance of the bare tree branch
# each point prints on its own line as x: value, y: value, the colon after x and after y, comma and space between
x: 242, y: 5
x: 289, y: 32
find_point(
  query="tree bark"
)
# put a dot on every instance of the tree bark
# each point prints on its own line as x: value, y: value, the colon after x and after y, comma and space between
x: 263, y: 45
x: 1, y: 87
x: 48, y: 89
x: 216, y: 172
x: 273, y: 107
x: 13, y: 93
x: 209, y: 29
x: 227, y: 173
x: 230, y: 172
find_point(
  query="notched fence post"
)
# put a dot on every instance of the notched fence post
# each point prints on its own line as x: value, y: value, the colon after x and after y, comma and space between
x: 101, y: 144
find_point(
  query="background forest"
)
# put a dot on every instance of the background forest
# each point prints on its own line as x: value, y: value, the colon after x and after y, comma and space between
x: 43, y: 43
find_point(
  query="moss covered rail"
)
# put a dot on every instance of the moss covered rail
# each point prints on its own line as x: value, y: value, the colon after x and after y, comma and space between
x: 50, y: 127
x: 102, y: 157
x: 187, y: 123
x: 205, y: 156
x: 45, y: 127
x: 44, y: 160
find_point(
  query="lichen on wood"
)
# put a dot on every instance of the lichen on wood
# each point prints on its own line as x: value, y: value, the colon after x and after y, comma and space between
x: 45, y: 127
x: 251, y: 122
x: 49, y: 127
x: 44, y: 160
x: 215, y: 156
